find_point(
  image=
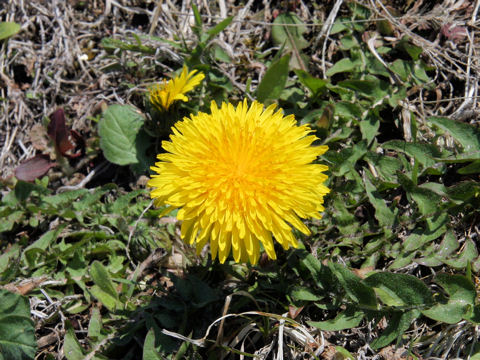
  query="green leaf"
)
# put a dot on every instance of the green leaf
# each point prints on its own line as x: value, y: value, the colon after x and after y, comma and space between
x: 370, y: 88
x: 397, y: 325
x: 400, y: 289
x: 347, y: 319
x: 343, y: 354
x: 404, y: 69
x: 383, y: 213
x: 436, y: 227
x: 464, y: 191
x: 71, y: 347
x: 288, y: 29
x: 369, y: 127
x: 8, y: 256
x: 118, y: 132
x: 219, y: 27
x: 17, y: 332
x: 412, y: 50
x: 427, y: 200
x: 424, y: 153
x: 343, y: 65
x: 355, y: 288
x: 467, y: 135
x: 274, y: 80
x: 198, y: 18
x: 301, y: 293
x: 473, y: 168
x: 321, y: 275
x: 458, y: 287
x: 467, y: 255
x: 8, y: 29
x: 345, y: 160
x: 149, y: 351
x: 95, y: 325
x: 46, y: 239
x: 386, y: 166
x: 112, y: 44
x: 315, y: 85
x: 450, y: 313
x: 104, y: 289
x: 10, y: 220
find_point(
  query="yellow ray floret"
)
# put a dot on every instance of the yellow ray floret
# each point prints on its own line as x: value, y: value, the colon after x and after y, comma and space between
x: 162, y: 95
x: 241, y: 177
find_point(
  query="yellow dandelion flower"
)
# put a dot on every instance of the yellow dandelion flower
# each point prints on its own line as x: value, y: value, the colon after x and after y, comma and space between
x: 240, y: 176
x: 164, y: 94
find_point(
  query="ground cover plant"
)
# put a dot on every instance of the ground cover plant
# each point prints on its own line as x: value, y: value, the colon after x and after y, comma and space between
x: 104, y: 257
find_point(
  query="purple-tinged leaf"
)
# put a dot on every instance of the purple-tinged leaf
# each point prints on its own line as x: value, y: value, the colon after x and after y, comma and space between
x: 33, y: 168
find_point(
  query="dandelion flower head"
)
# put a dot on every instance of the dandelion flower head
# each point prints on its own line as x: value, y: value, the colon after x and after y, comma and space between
x: 240, y: 176
x: 162, y: 95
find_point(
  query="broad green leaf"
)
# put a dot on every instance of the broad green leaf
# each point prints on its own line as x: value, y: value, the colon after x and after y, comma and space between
x: 371, y: 87
x: 436, y: 227
x: 347, y: 319
x: 321, y: 274
x: 402, y: 260
x: 400, y: 289
x: 450, y: 313
x: 386, y: 166
x: 341, y: 66
x: 95, y: 325
x: 404, y: 69
x: 104, y: 289
x: 287, y: 31
x: 448, y: 245
x: 473, y: 315
x: 425, y: 153
x: 66, y: 198
x: 459, y: 158
x: 315, y: 85
x: 348, y: 109
x: 464, y: 191
x: 71, y: 347
x: 467, y: 255
x: 340, y: 25
x: 397, y: 325
x: 369, y: 127
x: 46, y: 239
x: 348, y: 42
x: 10, y: 220
x: 8, y: 29
x: 9, y: 255
x: 427, y: 200
x: 143, y: 141
x: 473, y: 168
x: 110, y: 302
x: 24, y: 189
x: 118, y: 132
x: 384, y: 215
x: 301, y: 293
x: 467, y: 135
x: 274, y: 80
x: 149, y: 351
x: 353, y: 285
x: 412, y: 50
x: 345, y: 160
x: 458, y: 287
x: 17, y: 332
